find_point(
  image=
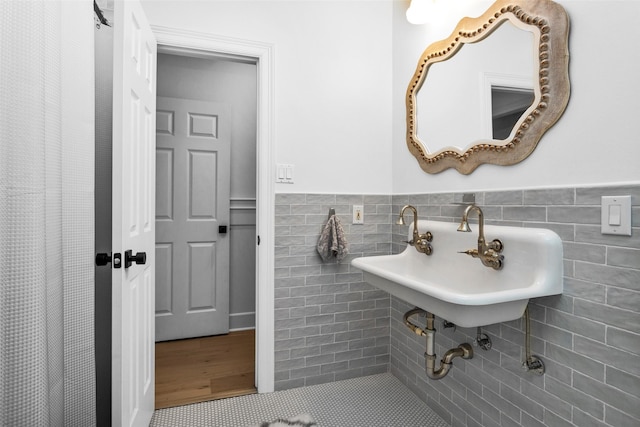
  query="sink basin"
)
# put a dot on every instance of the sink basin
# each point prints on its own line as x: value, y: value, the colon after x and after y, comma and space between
x: 457, y: 287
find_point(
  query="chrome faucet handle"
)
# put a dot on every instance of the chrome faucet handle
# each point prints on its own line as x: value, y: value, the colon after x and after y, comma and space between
x: 493, y: 260
x: 423, y: 245
x: 496, y: 245
x: 426, y: 236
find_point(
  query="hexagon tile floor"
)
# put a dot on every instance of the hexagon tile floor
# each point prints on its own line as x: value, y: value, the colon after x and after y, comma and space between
x: 373, y: 401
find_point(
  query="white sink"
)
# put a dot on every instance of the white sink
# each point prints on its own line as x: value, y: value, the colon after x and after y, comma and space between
x: 457, y: 287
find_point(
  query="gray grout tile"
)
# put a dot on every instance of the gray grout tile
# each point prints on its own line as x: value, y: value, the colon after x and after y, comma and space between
x: 375, y: 399
x: 589, y: 333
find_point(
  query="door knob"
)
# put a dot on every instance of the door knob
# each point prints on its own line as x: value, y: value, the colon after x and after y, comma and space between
x: 104, y: 258
x: 139, y: 258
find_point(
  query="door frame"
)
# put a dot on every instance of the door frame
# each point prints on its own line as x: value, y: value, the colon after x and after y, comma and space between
x: 205, y: 45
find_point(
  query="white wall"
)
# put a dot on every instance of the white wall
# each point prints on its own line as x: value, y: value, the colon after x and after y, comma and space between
x: 342, y: 69
x: 595, y: 141
x: 332, y: 82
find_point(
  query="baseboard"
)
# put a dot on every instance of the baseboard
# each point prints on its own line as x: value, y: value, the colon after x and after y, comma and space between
x: 242, y: 321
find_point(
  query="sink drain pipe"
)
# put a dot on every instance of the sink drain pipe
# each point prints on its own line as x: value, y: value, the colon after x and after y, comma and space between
x: 464, y: 350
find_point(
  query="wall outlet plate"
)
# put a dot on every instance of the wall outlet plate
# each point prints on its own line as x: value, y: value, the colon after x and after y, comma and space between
x: 358, y: 214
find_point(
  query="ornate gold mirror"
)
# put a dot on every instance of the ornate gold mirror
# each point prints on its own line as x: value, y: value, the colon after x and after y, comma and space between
x: 490, y: 102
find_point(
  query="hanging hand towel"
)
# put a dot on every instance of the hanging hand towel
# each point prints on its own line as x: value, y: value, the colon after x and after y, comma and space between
x: 332, y: 243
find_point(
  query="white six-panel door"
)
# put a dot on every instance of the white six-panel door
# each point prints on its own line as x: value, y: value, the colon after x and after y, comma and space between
x: 134, y: 100
x: 192, y: 202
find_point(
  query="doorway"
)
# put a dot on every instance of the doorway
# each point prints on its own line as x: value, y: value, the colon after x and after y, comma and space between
x: 171, y: 40
x: 185, y: 308
x: 176, y: 41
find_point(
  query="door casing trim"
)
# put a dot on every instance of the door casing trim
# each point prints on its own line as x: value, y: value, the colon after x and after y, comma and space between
x: 190, y: 43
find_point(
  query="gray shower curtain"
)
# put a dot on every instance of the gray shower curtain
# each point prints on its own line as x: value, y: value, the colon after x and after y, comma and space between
x: 46, y: 215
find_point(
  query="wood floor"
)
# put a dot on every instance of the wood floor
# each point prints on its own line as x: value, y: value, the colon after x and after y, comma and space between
x: 200, y: 369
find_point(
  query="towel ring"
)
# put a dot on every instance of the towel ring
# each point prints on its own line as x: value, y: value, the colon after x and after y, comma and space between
x: 331, y: 212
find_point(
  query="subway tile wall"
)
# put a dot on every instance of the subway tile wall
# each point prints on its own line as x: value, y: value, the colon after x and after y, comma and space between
x: 330, y: 325
x: 588, y: 338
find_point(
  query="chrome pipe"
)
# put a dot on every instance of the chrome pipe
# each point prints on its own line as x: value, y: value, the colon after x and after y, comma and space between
x: 464, y: 350
x: 531, y: 363
x: 414, y: 328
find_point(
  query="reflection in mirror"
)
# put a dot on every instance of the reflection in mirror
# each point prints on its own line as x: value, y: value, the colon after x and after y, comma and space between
x: 520, y: 76
x: 508, y: 104
x: 457, y: 85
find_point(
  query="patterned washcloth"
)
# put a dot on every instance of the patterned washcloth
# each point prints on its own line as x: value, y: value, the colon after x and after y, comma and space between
x: 303, y: 420
x: 332, y: 243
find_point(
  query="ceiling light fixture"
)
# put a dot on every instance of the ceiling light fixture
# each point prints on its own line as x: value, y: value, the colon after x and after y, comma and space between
x: 420, y: 11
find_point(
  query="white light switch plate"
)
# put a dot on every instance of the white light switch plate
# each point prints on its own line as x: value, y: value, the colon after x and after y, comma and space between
x: 284, y: 173
x: 616, y: 215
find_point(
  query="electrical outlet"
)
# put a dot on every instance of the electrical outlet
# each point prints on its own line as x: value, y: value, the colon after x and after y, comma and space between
x: 358, y: 214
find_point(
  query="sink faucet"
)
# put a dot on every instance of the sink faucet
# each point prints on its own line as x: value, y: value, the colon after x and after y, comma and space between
x: 419, y: 241
x: 489, y: 253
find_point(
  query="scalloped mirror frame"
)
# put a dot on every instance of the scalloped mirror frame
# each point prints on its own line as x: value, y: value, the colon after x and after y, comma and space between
x: 552, y: 94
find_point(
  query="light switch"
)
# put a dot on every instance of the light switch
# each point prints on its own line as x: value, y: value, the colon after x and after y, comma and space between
x: 284, y: 173
x: 616, y: 215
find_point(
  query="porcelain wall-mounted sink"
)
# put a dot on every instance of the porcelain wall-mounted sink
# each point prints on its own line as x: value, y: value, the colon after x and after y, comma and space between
x: 457, y: 287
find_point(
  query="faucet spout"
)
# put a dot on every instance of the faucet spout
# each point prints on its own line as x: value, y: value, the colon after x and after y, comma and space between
x: 489, y: 253
x: 415, y: 220
x: 464, y: 224
x: 422, y: 242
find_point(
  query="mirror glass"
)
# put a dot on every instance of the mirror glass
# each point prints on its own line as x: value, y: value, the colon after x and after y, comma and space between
x: 508, y: 105
x: 489, y: 92
x: 460, y: 97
